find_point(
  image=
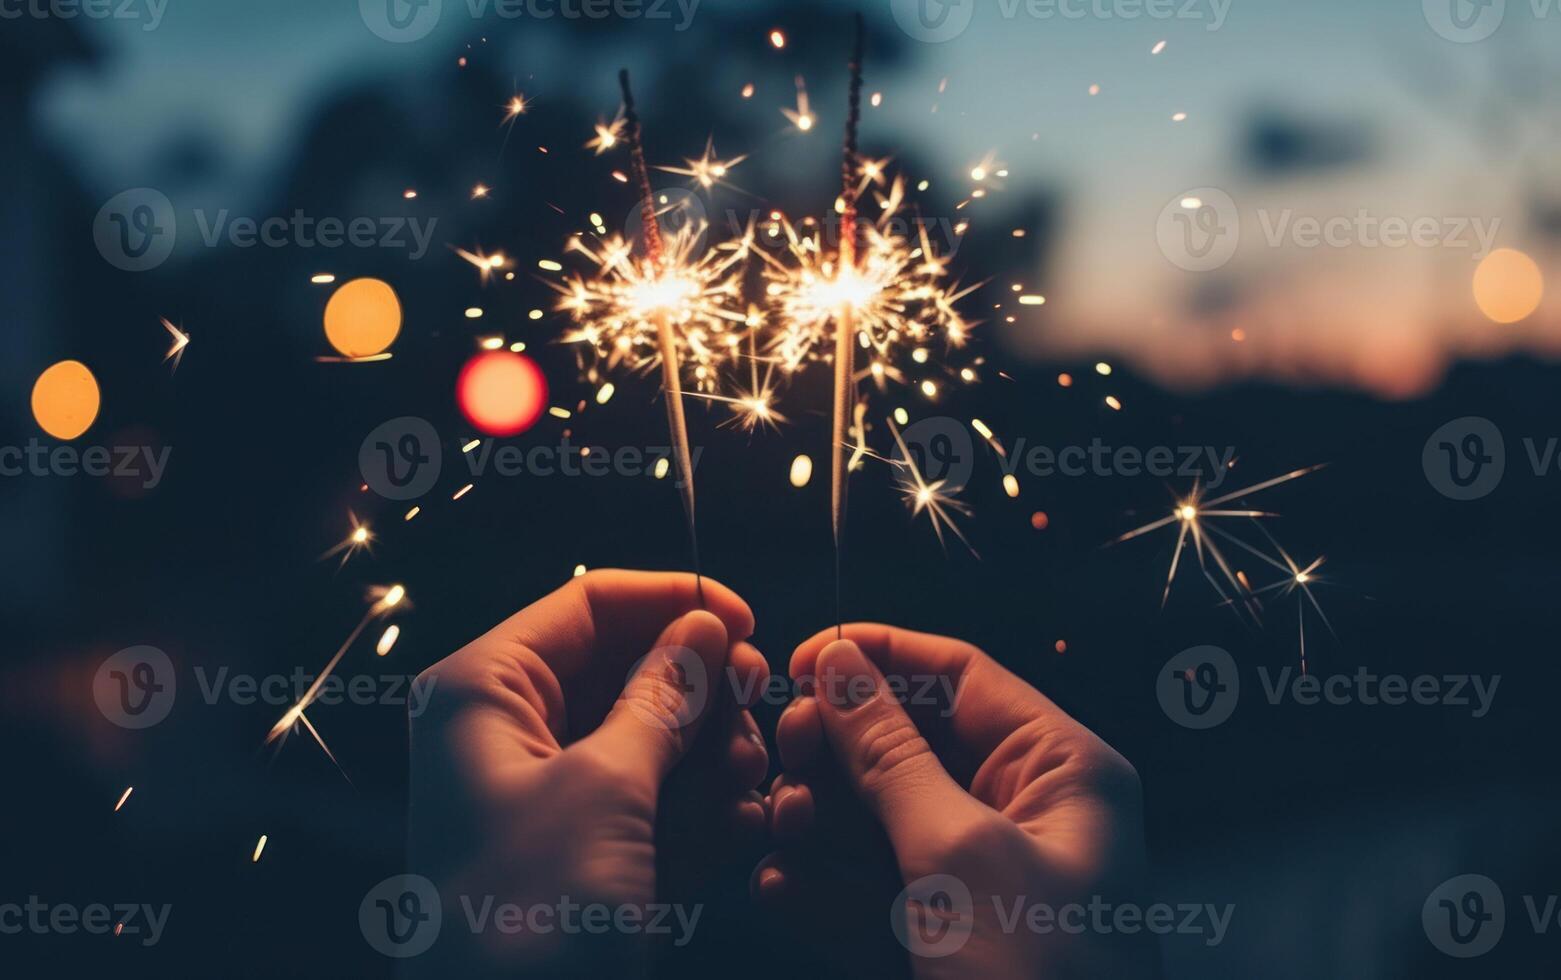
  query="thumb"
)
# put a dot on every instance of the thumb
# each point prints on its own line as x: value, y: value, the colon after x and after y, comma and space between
x: 667, y: 696
x: 885, y: 758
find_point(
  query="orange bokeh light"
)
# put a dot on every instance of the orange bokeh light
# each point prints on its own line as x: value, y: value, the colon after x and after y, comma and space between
x: 1508, y: 286
x: 66, y: 400
x: 363, y: 318
x: 501, y: 393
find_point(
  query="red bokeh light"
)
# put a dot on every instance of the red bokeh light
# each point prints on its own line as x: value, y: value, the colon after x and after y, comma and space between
x: 501, y: 393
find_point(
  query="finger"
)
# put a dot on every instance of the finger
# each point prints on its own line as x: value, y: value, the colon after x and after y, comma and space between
x: 749, y: 817
x: 767, y: 884
x: 749, y: 672
x: 660, y: 711
x: 792, y: 810
x: 746, y: 758
x: 995, y: 701
x: 799, y: 734
x: 885, y: 758
x: 617, y: 614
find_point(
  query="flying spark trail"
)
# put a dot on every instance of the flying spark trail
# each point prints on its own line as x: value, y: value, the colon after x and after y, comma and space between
x: 384, y: 600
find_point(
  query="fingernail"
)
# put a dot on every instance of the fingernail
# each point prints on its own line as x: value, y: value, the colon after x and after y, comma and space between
x: 849, y: 676
x: 769, y: 882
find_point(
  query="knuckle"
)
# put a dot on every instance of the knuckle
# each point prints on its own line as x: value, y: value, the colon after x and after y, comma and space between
x: 891, y: 747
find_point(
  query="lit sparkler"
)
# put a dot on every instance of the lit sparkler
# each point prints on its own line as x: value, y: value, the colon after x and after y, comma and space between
x: 669, y: 306
x: 618, y: 312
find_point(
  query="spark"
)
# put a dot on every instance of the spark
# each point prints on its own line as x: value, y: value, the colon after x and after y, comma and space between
x: 753, y: 408
x: 1193, y: 518
x: 123, y: 797
x: 1297, y: 581
x: 516, y: 108
x: 181, y: 340
x: 607, y: 135
x: 387, y: 640
x: 801, y: 117
x: 801, y: 470
x: 260, y: 847
x: 486, y: 264
x: 936, y: 498
x: 709, y: 170
x: 359, y: 539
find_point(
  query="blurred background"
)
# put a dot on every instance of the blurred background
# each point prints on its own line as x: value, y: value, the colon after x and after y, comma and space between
x: 1314, y: 233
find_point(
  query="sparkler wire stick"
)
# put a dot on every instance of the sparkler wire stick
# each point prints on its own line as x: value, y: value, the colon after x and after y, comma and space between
x: 671, y: 379
x: 845, y: 328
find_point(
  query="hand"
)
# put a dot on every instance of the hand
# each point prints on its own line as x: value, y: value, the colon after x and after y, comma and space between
x: 996, y: 789
x: 537, y: 774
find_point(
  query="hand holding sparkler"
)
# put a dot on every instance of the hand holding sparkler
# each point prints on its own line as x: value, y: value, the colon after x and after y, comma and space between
x: 995, y: 788
x: 537, y: 773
